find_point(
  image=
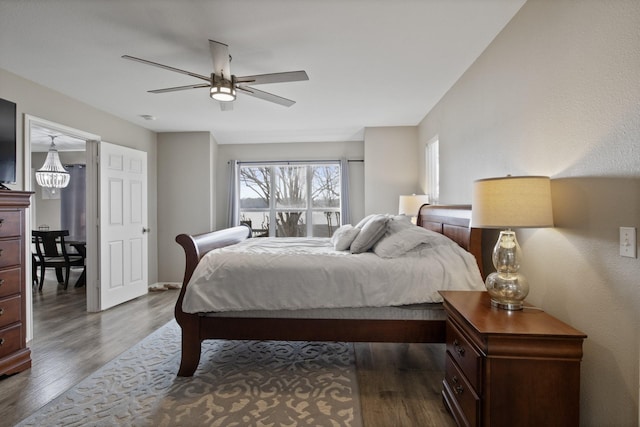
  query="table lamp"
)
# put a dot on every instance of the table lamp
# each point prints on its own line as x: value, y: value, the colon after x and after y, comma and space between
x: 410, y: 205
x: 510, y: 202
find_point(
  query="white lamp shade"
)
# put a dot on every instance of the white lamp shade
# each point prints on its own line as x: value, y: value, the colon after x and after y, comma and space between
x: 410, y: 205
x: 512, y: 202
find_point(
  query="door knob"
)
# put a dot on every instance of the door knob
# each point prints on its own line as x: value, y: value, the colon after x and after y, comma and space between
x: 145, y: 230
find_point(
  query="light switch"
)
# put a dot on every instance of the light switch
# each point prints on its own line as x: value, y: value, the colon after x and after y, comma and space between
x: 628, y: 246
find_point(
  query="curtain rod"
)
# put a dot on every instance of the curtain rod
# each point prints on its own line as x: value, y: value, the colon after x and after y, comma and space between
x: 286, y: 162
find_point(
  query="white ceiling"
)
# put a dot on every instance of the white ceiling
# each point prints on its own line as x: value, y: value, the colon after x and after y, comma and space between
x: 370, y: 62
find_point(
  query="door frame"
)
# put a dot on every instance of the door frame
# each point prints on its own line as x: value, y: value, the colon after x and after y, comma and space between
x: 92, y: 206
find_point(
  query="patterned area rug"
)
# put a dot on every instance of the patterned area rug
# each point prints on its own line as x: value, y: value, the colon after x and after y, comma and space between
x: 238, y: 383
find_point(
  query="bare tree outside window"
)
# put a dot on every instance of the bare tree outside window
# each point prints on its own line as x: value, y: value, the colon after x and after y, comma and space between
x: 299, y: 200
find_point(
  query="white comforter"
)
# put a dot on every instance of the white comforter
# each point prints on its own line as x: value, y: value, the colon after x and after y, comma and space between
x: 302, y: 273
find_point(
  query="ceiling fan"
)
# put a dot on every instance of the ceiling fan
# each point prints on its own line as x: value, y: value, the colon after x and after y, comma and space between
x: 223, y: 86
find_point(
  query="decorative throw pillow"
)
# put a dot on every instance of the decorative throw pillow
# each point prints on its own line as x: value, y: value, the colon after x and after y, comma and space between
x: 394, y: 245
x: 344, y: 236
x: 364, y: 220
x: 398, y: 222
x: 371, y: 232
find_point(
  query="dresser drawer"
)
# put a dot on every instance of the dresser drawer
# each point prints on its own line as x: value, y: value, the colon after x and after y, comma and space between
x: 10, y: 253
x: 465, y: 396
x: 10, y: 281
x: 10, y: 224
x: 465, y: 355
x: 10, y: 310
x: 10, y: 339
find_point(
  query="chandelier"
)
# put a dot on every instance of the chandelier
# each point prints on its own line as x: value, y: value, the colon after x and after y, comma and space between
x: 52, y: 174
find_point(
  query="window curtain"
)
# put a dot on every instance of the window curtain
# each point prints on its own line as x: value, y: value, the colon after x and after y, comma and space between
x: 345, y: 208
x: 73, y: 203
x: 233, y: 214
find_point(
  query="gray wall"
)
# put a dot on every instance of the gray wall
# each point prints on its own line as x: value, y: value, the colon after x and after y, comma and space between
x: 186, y: 195
x: 558, y: 93
x: 390, y: 168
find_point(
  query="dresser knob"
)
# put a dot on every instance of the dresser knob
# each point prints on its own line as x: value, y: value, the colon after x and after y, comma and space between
x: 458, y: 389
x: 1, y: 221
x: 1, y: 341
x: 459, y: 349
x: 1, y: 250
x: 1, y: 282
x: 1, y: 311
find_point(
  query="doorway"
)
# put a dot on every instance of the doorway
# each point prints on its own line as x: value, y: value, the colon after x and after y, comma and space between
x: 75, y: 147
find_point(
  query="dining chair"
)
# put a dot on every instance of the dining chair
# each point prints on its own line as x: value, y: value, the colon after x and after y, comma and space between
x: 51, y: 252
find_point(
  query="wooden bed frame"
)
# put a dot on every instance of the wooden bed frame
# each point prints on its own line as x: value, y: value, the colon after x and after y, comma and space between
x: 452, y: 221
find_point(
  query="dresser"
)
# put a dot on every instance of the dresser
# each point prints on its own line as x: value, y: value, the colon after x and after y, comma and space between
x: 15, y: 356
x: 509, y: 368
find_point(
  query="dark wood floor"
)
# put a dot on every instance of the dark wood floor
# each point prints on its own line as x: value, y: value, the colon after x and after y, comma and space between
x: 399, y: 383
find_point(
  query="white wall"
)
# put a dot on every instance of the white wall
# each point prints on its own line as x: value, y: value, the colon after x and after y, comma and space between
x: 352, y: 150
x: 558, y: 93
x: 44, y: 103
x: 391, y: 167
x: 186, y: 195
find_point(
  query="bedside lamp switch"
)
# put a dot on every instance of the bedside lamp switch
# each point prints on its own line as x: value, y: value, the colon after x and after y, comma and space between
x: 628, y: 246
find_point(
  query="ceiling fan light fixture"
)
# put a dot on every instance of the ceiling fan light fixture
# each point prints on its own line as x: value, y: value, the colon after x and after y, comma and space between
x: 222, y: 90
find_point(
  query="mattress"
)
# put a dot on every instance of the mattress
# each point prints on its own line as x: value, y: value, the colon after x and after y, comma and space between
x: 266, y: 274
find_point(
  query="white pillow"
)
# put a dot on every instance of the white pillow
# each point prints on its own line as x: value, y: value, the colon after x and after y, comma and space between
x: 364, y: 220
x: 371, y: 232
x: 398, y: 222
x: 394, y: 245
x: 343, y: 237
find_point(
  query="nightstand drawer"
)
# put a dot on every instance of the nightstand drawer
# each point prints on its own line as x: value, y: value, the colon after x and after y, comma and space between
x: 10, y: 222
x: 10, y: 310
x: 465, y: 355
x: 10, y: 252
x: 10, y: 281
x: 10, y: 339
x: 465, y: 396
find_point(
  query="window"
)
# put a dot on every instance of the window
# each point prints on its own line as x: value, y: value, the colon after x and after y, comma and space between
x: 290, y: 200
x: 432, y: 168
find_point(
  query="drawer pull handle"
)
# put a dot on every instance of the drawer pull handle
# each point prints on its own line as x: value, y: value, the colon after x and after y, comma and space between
x: 1, y: 282
x: 1, y: 341
x: 459, y: 349
x: 1, y: 250
x: 1, y: 311
x: 1, y: 221
x: 457, y: 388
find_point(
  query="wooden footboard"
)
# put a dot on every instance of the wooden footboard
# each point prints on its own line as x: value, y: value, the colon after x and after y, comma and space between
x: 452, y: 221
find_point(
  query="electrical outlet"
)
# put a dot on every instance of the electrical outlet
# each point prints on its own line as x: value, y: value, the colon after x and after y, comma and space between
x: 628, y: 246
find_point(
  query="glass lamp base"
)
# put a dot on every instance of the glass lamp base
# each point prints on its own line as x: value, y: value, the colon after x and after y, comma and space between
x: 507, y: 305
x: 507, y: 291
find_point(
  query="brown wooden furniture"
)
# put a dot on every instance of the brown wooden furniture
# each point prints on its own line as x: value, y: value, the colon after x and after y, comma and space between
x: 51, y: 252
x: 509, y: 368
x: 452, y: 221
x: 15, y: 356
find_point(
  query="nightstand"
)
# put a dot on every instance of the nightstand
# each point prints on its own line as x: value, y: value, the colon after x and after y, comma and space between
x: 509, y: 368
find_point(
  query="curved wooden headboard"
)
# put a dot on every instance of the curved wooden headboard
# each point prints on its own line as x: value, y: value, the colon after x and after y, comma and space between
x: 453, y: 221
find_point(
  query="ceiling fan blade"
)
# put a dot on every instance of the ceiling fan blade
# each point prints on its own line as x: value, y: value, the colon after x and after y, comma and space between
x: 221, y: 59
x: 261, y: 79
x: 265, y: 95
x: 166, y: 67
x: 177, y: 88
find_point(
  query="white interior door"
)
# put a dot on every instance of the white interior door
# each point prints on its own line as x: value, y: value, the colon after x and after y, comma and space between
x: 123, y: 224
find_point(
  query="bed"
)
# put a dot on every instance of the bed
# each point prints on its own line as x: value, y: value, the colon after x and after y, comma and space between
x: 424, y: 323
